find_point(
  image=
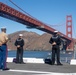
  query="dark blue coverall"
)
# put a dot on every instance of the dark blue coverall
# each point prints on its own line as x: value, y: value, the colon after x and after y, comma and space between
x: 55, y: 48
x: 19, y: 55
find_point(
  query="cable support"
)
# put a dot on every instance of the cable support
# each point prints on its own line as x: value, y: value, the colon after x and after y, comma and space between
x: 56, y: 25
x: 24, y: 11
x: 32, y: 16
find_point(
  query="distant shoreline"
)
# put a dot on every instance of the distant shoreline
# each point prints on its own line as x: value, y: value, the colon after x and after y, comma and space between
x: 30, y: 50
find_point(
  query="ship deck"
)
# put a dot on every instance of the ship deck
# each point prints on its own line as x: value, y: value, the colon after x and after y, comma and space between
x: 39, y: 69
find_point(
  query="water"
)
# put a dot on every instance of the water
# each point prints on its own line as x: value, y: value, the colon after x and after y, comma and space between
x: 64, y: 57
x: 31, y: 54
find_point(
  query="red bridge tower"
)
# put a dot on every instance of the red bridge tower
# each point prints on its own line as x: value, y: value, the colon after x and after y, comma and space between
x: 69, y: 31
x: 69, y: 26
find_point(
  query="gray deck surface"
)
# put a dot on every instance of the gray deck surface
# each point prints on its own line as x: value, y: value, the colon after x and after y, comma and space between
x: 40, y: 69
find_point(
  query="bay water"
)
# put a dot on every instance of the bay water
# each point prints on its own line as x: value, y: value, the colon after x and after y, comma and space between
x: 64, y: 56
x: 31, y: 54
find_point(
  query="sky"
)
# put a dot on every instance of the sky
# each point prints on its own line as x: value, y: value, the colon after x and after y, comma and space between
x: 51, y: 12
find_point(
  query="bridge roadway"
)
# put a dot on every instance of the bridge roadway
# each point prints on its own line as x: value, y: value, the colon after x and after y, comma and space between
x: 39, y: 69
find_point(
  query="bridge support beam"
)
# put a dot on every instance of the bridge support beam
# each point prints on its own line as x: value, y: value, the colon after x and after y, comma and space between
x: 70, y: 45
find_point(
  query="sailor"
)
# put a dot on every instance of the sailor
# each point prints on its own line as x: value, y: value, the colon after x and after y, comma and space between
x: 19, y: 43
x: 3, y: 49
x: 55, y: 40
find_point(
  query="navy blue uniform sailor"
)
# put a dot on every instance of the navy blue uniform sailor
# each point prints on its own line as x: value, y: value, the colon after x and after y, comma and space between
x: 19, y: 43
x: 55, y: 40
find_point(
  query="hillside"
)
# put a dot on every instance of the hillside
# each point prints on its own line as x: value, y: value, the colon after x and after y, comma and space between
x: 33, y: 41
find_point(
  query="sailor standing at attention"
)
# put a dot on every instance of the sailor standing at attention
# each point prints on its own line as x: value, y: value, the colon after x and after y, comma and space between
x: 3, y: 49
x: 19, y: 43
x: 55, y: 40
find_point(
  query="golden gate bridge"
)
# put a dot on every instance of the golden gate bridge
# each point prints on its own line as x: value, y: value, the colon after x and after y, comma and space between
x: 31, y: 22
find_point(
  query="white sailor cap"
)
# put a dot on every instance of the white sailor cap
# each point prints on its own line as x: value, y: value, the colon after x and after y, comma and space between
x: 20, y: 34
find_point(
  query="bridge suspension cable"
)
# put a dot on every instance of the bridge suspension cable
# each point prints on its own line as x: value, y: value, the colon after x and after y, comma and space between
x: 30, y: 15
x: 23, y: 10
x: 20, y: 8
x: 57, y: 25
